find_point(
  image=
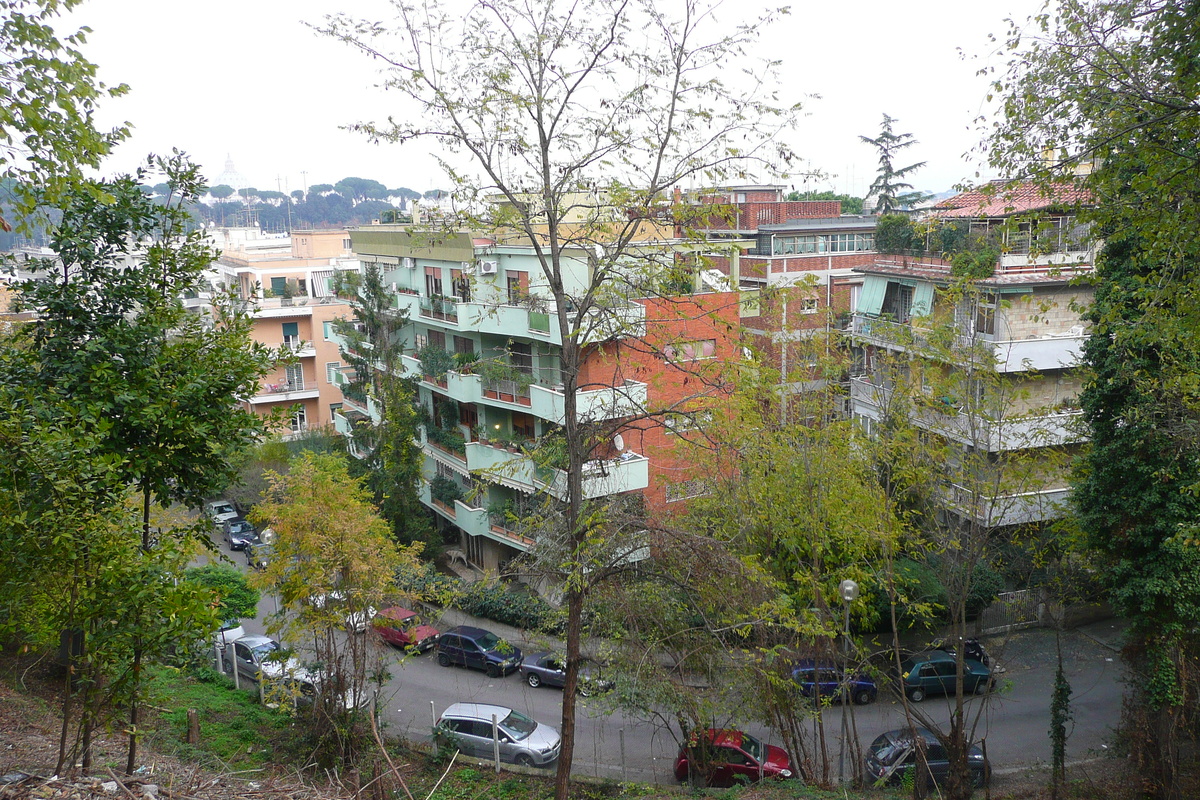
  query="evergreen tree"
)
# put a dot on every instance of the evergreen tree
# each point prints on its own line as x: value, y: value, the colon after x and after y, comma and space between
x: 889, y: 186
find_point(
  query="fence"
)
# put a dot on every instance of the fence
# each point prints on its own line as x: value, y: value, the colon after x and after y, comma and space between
x: 1011, y: 611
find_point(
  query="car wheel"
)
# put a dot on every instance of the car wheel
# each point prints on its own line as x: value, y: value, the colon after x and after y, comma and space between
x: 916, y: 695
x: 533, y: 680
x: 443, y: 659
x: 584, y: 690
x: 978, y: 778
x: 492, y: 671
x: 981, y: 687
x: 524, y: 760
x: 863, y: 696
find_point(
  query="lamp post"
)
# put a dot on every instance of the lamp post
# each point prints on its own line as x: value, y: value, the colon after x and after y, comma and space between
x: 848, y: 589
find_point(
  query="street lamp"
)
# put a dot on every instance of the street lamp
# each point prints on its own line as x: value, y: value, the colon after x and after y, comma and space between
x: 848, y: 589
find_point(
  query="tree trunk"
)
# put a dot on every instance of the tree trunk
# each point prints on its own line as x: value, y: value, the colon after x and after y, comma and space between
x: 562, y: 776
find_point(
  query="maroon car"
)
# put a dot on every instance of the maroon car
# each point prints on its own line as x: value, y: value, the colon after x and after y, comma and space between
x: 404, y: 628
x: 725, y: 758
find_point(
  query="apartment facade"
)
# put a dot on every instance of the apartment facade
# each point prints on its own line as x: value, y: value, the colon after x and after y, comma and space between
x: 1022, y: 323
x: 286, y: 285
x: 481, y: 309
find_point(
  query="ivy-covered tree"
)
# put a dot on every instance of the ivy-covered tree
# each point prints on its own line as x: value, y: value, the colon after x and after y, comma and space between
x: 890, y: 189
x: 1105, y: 94
x: 372, y: 349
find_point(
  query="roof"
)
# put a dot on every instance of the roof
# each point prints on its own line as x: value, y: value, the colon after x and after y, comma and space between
x: 845, y: 222
x: 1005, y: 198
x: 397, y: 613
x: 477, y: 710
x: 1058, y: 275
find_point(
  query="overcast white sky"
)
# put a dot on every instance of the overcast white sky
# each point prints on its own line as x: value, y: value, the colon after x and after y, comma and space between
x: 245, y: 78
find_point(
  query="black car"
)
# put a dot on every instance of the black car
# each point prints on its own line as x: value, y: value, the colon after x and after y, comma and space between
x: 893, y: 757
x: 478, y: 649
x: 258, y: 553
x: 238, y: 533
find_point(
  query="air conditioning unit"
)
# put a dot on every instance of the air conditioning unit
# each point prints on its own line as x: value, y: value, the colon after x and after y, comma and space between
x: 409, y: 263
x: 488, y: 267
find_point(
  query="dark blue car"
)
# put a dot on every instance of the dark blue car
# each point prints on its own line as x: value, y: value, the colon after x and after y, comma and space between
x: 820, y: 681
x: 477, y: 649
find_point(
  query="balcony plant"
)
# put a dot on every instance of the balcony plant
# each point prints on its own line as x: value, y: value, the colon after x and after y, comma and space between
x: 464, y: 362
x: 493, y: 372
x: 451, y: 440
x: 435, y: 361
x: 445, y: 490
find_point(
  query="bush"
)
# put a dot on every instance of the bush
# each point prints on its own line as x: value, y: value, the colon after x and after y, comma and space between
x: 895, y: 234
x: 498, y: 603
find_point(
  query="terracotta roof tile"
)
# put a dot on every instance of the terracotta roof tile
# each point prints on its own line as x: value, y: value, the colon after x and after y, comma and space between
x: 1003, y: 198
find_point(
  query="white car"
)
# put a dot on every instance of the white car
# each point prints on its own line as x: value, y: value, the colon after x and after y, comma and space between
x: 220, y: 510
x: 229, y: 632
x: 356, y: 621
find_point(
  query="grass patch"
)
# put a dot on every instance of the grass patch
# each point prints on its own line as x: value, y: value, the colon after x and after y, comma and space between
x: 235, y: 730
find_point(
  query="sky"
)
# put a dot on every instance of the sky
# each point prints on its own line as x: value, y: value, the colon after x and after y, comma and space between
x: 247, y: 80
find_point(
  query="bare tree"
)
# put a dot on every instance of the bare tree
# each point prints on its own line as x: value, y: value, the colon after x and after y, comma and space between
x: 578, y: 118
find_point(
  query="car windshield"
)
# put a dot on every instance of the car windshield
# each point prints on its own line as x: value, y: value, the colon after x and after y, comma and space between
x: 222, y: 508
x: 240, y: 526
x: 752, y: 746
x: 488, y: 641
x: 886, y: 750
x: 518, y: 725
x: 266, y: 649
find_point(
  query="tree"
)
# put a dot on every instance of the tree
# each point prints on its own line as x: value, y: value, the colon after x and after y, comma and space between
x: 221, y: 192
x: 1103, y: 96
x: 850, y: 205
x: 552, y: 104
x: 160, y: 384
x: 236, y: 598
x: 889, y: 185
x: 333, y: 561
x: 48, y: 98
x: 372, y: 348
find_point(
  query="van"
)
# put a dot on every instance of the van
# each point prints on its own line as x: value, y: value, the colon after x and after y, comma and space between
x: 469, y: 727
x: 476, y: 648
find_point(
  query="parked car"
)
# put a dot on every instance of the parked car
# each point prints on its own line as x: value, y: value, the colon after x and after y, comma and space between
x: 824, y: 682
x: 220, y: 510
x: 238, y: 533
x: 468, y: 727
x: 934, y: 673
x: 549, y: 669
x: 972, y: 648
x: 403, y: 628
x: 258, y: 553
x: 893, y: 756
x: 728, y: 757
x: 255, y: 654
x: 477, y: 649
x: 356, y: 620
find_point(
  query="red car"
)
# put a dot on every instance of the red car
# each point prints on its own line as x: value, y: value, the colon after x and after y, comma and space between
x: 732, y: 757
x: 403, y: 628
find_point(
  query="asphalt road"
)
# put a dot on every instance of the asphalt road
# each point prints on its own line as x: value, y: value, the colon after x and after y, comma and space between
x: 1016, y: 718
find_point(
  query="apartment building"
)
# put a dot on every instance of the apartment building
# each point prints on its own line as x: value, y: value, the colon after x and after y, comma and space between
x: 286, y: 284
x: 1021, y: 323
x: 806, y: 252
x: 480, y: 308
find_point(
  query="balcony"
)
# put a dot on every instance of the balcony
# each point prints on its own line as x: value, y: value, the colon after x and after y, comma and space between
x: 273, y: 307
x: 519, y: 321
x: 298, y: 347
x: 285, y: 392
x: 1019, y: 508
x: 1014, y: 432
x: 1046, y: 352
x: 630, y: 472
x: 592, y: 405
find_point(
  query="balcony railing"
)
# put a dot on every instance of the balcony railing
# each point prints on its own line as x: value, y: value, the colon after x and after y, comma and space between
x: 443, y: 308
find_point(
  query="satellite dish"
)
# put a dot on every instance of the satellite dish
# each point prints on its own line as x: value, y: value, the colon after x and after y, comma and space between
x: 267, y: 535
x: 619, y: 442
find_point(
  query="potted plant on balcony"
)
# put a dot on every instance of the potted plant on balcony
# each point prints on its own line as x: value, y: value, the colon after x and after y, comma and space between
x: 445, y: 490
x: 464, y: 362
x: 435, y: 362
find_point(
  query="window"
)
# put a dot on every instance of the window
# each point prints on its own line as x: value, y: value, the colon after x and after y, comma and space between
x: 985, y: 315
x: 522, y: 424
x: 463, y: 345
x: 278, y: 286
x: 827, y: 243
x: 691, y: 351
x: 347, y: 244
x: 327, y: 329
x: 295, y: 377
x: 468, y: 415
x: 334, y: 408
x: 521, y: 355
x: 433, y: 282
x: 291, y: 334
x: 437, y: 338
x: 810, y: 305
x: 682, y: 491
x: 331, y: 370
x: 299, y: 423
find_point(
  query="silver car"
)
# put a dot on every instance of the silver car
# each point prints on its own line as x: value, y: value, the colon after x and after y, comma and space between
x: 469, y: 728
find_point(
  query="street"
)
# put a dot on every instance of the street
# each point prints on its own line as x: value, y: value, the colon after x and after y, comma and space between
x: 1017, y: 719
